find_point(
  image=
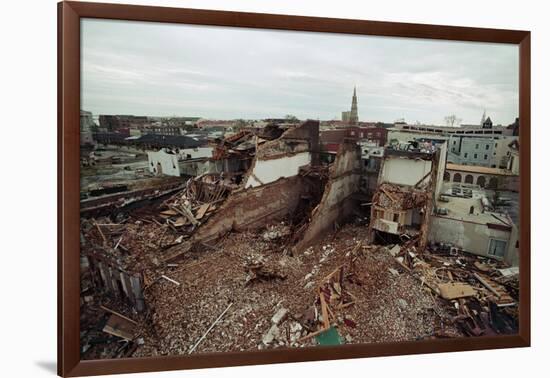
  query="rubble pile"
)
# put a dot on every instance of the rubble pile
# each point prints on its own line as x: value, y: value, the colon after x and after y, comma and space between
x: 480, y: 296
x: 106, y: 333
x: 242, y: 143
x: 392, y: 196
x: 133, y: 245
x: 153, y: 283
x: 276, y: 232
x: 277, y: 298
x: 193, y: 205
x: 248, y: 292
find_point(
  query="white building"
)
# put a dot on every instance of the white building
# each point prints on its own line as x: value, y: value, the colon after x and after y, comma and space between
x: 174, y: 162
x: 469, y: 146
x: 463, y: 219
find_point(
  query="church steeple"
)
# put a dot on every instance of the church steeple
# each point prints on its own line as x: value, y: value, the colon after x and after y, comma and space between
x: 483, y: 117
x: 354, y: 117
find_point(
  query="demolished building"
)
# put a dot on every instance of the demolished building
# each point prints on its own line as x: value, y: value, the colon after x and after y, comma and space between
x: 413, y: 201
x: 408, y: 181
x: 262, y: 181
x: 252, y: 228
x: 281, y: 182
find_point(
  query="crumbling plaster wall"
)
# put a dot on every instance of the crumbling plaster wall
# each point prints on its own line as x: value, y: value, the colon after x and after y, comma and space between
x: 404, y: 171
x: 336, y: 204
x: 283, y: 157
x: 267, y: 171
x: 472, y: 237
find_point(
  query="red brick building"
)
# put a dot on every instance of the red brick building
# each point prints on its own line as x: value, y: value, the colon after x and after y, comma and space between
x: 332, y: 138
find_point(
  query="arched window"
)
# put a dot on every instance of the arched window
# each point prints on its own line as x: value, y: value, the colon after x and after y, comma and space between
x: 447, y: 176
x: 469, y: 179
x: 481, y: 181
x: 457, y: 177
x: 493, y: 183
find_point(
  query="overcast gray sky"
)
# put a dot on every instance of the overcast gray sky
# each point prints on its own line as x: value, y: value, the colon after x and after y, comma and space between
x: 224, y: 73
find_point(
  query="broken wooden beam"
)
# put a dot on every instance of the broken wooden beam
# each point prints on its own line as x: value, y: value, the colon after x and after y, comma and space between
x: 388, y: 194
x: 101, y: 233
x: 324, y: 310
x: 487, y: 285
x: 119, y: 326
x: 118, y: 314
x: 210, y: 328
x: 170, y: 280
x: 454, y: 290
x: 313, y: 334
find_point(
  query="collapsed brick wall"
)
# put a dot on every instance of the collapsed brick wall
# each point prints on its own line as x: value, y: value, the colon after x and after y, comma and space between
x: 285, y: 155
x: 254, y: 208
x: 336, y: 203
x: 304, y: 137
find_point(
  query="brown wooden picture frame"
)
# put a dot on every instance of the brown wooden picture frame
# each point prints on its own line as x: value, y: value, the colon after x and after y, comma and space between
x: 69, y: 15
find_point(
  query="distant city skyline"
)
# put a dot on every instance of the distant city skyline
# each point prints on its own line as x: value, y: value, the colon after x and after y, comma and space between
x: 227, y: 73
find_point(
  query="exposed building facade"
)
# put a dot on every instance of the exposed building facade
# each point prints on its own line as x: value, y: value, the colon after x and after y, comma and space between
x: 490, y: 178
x: 408, y: 180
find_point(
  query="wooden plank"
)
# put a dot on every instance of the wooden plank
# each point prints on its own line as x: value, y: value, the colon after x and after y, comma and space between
x: 120, y: 327
x: 388, y: 194
x: 422, y: 179
x: 202, y: 210
x: 129, y: 290
x: 324, y: 310
x: 454, y: 290
x: 180, y: 221
x: 171, y: 280
x: 101, y: 233
x: 487, y: 285
x: 210, y: 328
x: 313, y: 334
x: 186, y: 213
x: 118, y: 314
x: 329, y: 276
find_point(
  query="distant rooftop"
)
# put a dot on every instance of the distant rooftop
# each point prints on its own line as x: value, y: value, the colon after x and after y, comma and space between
x: 458, y: 199
x: 464, y: 129
x: 479, y: 169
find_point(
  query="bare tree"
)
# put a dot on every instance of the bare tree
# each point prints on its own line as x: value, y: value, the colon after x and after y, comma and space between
x: 291, y: 118
x: 452, y: 120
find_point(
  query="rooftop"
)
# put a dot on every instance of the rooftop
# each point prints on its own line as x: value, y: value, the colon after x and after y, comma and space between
x: 478, y: 169
x: 459, y: 199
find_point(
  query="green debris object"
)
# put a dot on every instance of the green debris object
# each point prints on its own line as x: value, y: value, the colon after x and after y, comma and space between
x: 329, y: 337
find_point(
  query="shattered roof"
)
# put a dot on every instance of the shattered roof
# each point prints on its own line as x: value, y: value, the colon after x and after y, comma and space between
x: 393, y: 196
